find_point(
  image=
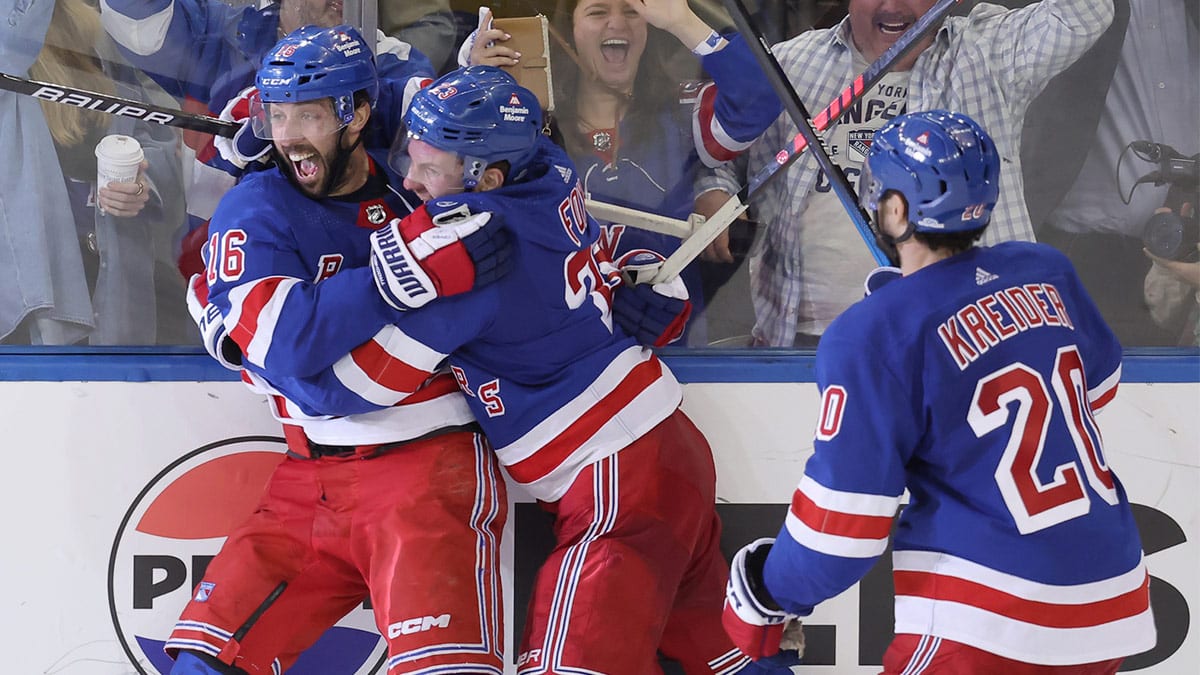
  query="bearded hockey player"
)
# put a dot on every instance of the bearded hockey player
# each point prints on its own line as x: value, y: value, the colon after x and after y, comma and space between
x: 582, y: 416
x: 404, y: 506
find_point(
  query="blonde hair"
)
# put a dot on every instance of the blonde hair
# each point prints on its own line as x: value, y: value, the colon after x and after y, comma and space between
x: 69, y: 57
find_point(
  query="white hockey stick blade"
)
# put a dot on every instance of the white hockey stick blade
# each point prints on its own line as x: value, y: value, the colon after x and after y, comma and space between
x: 642, y: 220
x: 701, y: 238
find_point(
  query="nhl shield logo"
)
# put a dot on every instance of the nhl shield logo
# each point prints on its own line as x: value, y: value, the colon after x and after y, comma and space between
x: 859, y: 142
x: 376, y: 214
x: 602, y: 140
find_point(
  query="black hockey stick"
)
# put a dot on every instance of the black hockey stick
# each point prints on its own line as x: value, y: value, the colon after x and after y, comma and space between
x: 715, y: 224
x: 857, y: 89
x: 116, y: 105
x: 799, y: 114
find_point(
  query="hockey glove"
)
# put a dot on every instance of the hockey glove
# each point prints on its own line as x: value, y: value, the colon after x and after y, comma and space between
x: 244, y: 147
x: 653, y: 314
x: 421, y: 258
x: 752, y: 618
x: 780, y: 664
x: 212, y: 329
x: 878, y: 277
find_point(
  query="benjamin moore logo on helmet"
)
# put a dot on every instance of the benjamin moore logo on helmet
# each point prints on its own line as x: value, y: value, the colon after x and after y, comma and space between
x: 171, y: 531
x: 445, y: 92
x: 348, y: 46
x: 515, y: 111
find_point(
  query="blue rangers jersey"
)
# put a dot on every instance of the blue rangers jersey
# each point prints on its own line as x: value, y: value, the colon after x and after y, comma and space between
x: 288, y: 274
x: 550, y: 378
x: 205, y: 52
x: 973, y: 383
x: 209, y: 51
x: 712, y: 123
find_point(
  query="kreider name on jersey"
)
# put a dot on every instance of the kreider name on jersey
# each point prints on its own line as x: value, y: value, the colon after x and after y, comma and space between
x: 984, y: 323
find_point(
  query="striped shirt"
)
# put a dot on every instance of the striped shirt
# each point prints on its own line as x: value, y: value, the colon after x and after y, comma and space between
x: 989, y: 65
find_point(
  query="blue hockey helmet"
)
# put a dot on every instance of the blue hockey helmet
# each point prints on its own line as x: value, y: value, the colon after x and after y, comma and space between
x: 312, y: 63
x: 479, y: 113
x: 944, y: 164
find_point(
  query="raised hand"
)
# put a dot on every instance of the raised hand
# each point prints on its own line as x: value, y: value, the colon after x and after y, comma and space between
x: 675, y: 17
x: 485, y: 45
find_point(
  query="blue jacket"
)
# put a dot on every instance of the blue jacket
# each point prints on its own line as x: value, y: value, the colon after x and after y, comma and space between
x: 41, y: 244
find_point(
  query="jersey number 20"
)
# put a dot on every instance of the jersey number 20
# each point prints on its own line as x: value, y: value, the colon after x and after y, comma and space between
x: 1017, y: 395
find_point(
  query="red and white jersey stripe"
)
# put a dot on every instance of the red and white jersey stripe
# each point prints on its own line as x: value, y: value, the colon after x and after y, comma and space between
x: 1102, y: 394
x: 629, y: 398
x: 844, y: 524
x: 436, y: 404
x: 944, y: 595
x: 387, y: 368
x: 713, y: 142
x: 254, y: 309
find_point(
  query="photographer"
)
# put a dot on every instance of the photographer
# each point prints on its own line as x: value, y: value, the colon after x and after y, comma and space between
x: 1172, y: 286
x: 1132, y: 103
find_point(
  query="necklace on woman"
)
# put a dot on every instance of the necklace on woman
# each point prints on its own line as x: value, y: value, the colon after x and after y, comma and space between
x: 604, y: 143
x: 602, y: 139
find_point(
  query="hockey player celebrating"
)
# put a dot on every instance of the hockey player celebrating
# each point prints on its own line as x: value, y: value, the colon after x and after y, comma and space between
x: 970, y: 381
x: 406, y: 505
x: 582, y: 416
x: 206, y: 53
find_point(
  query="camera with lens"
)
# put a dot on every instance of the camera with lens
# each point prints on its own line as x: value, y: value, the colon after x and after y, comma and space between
x: 1172, y: 232
x: 1172, y: 236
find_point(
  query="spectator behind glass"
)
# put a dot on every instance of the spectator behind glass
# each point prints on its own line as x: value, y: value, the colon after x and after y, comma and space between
x: 76, y: 271
x: 626, y: 119
x: 1172, y: 288
x: 808, y: 262
x: 427, y: 25
x: 1140, y: 83
x: 205, y: 52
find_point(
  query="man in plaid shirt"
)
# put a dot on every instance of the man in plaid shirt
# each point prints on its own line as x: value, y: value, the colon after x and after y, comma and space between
x: 808, y: 263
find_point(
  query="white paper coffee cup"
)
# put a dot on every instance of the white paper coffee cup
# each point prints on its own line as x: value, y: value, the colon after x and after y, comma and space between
x: 117, y: 160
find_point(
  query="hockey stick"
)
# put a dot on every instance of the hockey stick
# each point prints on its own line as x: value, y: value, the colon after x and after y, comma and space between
x: 799, y: 114
x: 116, y: 105
x: 714, y: 225
x: 643, y: 220
x: 858, y: 88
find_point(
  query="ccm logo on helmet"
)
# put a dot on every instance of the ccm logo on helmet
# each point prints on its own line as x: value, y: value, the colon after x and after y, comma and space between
x: 276, y: 81
x: 418, y: 625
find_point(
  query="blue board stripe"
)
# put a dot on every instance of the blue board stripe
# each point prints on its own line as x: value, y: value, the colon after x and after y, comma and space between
x: 191, y: 364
